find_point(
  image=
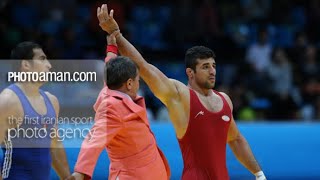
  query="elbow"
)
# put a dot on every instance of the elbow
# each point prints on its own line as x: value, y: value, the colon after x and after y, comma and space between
x: 238, y: 139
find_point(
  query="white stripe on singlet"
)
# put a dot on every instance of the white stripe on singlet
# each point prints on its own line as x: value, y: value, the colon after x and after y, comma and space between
x: 7, y: 159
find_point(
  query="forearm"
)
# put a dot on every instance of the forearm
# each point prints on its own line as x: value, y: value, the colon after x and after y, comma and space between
x: 110, y: 55
x: 128, y: 50
x: 243, y: 153
x: 59, y: 161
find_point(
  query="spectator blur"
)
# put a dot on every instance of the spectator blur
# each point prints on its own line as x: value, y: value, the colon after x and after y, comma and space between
x: 264, y: 83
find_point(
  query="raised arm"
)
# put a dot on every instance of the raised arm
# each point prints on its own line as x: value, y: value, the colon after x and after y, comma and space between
x: 112, y: 49
x: 241, y: 148
x: 162, y: 87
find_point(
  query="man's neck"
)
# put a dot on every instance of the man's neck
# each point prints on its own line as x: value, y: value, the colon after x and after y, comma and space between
x: 126, y: 92
x: 30, y: 89
x: 123, y: 93
x: 202, y: 91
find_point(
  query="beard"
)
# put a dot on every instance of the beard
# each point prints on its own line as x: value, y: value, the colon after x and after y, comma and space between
x: 209, y: 85
x: 205, y: 84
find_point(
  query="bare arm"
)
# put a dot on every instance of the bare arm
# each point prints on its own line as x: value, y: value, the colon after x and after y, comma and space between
x: 241, y: 149
x: 9, y: 110
x: 59, y: 159
x: 240, y: 146
x: 4, y: 125
x: 111, y: 40
x: 160, y: 84
x: 7, y: 113
x: 58, y: 154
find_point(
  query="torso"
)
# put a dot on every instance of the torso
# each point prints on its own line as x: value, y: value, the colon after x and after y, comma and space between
x: 37, y: 103
x: 32, y: 153
x: 179, y: 109
x: 203, y: 145
x: 212, y: 102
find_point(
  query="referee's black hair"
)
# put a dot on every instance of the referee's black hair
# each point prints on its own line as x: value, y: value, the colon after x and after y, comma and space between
x: 118, y: 70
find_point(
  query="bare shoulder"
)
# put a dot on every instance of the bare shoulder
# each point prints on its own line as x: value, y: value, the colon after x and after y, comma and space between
x: 182, y: 89
x: 8, y: 99
x: 10, y: 104
x: 183, y: 95
x: 177, y: 83
x: 54, y: 100
x: 227, y: 99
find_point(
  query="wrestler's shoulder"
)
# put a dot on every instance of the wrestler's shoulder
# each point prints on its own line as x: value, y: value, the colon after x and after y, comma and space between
x: 8, y: 97
x: 182, y: 89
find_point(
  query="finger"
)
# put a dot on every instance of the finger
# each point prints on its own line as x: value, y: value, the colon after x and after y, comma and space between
x: 103, y: 13
x: 111, y: 14
x: 100, y: 15
x: 98, y: 11
x: 105, y: 9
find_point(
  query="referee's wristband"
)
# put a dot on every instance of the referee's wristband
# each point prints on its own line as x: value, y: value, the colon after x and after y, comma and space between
x: 260, y: 176
x: 112, y: 48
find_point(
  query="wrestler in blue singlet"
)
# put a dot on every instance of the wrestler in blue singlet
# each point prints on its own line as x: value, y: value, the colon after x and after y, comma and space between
x: 29, y: 158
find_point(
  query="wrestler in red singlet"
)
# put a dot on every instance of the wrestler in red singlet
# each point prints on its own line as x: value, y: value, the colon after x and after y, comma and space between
x: 203, y: 146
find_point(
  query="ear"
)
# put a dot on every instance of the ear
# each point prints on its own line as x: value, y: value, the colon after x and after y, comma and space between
x: 25, y: 65
x: 129, y: 84
x: 189, y: 72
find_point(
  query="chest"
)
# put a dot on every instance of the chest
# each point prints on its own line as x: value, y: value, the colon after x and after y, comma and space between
x: 38, y: 104
x: 211, y: 103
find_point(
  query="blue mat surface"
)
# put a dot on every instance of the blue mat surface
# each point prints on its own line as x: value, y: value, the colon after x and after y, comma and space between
x: 284, y: 150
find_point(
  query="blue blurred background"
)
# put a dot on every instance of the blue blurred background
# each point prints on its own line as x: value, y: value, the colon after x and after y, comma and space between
x: 267, y: 61
x: 267, y: 50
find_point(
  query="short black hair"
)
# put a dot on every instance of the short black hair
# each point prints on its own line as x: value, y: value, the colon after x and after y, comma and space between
x: 197, y: 52
x: 23, y: 51
x: 118, y: 70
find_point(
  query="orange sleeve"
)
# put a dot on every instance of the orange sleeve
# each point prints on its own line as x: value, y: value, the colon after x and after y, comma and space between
x: 107, y: 125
